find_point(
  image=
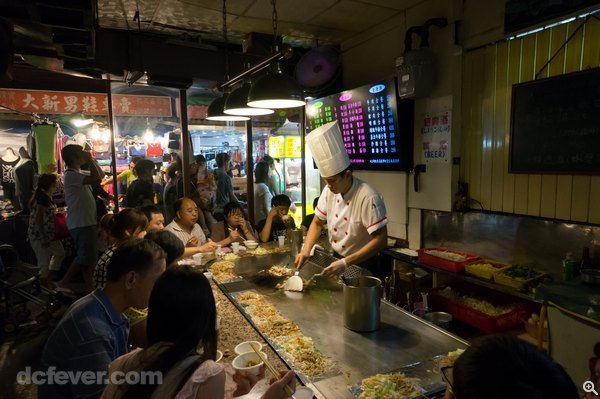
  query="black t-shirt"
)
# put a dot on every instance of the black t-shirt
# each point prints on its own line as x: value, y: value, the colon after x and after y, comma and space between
x: 42, y: 199
x: 140, y: 193
x: 278, y: 228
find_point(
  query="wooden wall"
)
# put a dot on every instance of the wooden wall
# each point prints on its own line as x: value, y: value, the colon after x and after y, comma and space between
x: 488, y: 76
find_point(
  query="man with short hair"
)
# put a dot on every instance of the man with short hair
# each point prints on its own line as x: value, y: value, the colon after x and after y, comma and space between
x: 278, y: 220
x: 156, y: 218
x: 93, y: 332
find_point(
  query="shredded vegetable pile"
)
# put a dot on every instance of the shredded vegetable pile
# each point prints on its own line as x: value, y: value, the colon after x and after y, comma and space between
x: 478, y: 304
x: 446, y: 255
x: 449, y: 359
x: 389, y: 386
x: 223, y: 270
x: 299, y: 348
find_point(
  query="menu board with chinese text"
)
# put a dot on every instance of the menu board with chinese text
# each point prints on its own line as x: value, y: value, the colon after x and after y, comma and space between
x: 376, y: 126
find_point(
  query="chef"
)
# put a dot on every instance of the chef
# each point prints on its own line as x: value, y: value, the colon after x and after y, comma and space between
x: 353, y: 211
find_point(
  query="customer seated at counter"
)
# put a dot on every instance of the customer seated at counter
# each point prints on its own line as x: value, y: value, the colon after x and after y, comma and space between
x: 504, y: 366
x: 93, y: 332
x: 278, y: 220
x: 175, y: 336
x: 129, y: 223
x: 156, y: 218
x: 235, y: 228
x: 184, y: 226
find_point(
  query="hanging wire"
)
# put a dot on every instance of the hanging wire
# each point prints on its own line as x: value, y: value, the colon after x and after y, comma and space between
x: 274, y: 22
x: 225, y: 40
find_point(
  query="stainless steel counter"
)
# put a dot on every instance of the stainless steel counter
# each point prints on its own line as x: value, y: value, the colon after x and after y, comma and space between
x: 401, y: 340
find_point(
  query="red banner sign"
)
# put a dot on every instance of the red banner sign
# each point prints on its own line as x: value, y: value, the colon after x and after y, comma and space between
x: 62, y: 102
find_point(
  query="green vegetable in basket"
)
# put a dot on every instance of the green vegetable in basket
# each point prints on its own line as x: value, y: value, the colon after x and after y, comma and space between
x: 521, y: 273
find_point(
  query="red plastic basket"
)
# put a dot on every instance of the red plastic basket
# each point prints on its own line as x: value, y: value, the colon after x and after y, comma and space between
x: 477, y: 319
x: 445, y: 264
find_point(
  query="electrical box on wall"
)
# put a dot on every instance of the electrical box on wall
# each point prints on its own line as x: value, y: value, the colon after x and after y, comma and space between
x: 416, y: 73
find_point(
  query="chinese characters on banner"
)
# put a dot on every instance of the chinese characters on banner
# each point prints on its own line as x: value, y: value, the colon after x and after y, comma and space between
x: 61, y: 102
x: 436, y: 136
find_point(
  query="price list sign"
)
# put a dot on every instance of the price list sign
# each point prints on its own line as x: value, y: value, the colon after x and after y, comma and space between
x: 368, y: 120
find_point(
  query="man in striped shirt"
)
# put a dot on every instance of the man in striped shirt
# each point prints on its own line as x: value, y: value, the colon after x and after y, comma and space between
x: 94, y: 331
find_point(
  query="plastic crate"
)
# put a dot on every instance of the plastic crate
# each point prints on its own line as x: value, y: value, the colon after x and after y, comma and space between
x: 485, y: 274
x: 445, y: 264
x: 476, y: 318
x: 508, y: 281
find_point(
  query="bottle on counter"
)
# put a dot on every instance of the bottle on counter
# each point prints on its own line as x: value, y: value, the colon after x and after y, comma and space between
x: 569, y: 267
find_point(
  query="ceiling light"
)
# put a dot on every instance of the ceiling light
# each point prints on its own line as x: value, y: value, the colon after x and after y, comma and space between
x: 276, y: 90
x: 80, y: 122
x: 236, y: 103
x: 215, y: 111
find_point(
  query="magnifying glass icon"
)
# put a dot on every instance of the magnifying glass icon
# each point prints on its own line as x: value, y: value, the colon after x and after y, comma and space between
x: 588, y: 387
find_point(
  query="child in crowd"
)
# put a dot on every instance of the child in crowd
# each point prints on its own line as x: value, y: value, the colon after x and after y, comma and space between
x: 41, y: 232
x: 278, y: 221
x: 156, y: 218
x: 235, y: 227
x: 124, y: 225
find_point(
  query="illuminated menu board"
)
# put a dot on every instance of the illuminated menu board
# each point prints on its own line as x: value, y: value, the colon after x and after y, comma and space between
x: 376, y: 126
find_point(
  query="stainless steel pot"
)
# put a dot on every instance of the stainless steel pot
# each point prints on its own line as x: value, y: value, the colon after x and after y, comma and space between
x: 361, y: 304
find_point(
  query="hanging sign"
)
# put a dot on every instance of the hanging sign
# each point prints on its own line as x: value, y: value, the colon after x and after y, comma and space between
x: 292, y: 147
x: 436, y: 137
x: 62, y: 102
x: 276, y: 146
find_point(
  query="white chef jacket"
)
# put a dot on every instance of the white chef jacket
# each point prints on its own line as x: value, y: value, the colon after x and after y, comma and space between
x: 353, y: 217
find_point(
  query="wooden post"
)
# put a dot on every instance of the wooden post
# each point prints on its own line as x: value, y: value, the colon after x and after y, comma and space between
x: 113, y: 164
x: 185, y: 143
x: 250, y: 173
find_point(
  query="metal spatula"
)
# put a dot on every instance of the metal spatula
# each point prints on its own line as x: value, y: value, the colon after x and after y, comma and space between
x: 294, y: 283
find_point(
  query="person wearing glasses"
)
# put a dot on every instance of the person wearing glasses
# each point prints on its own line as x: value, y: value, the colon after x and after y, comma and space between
x: 503, y: 366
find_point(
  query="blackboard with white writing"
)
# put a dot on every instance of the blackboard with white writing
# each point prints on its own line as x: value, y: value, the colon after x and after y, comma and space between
x: 555, y: 125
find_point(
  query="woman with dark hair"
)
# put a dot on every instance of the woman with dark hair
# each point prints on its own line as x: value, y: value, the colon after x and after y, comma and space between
x: 141, y: 191
x: 262, y: 193
x: 41, y: 232
x: 503, y: 366
x: 126, y: 224
x: 235, y: 228
x: 175, y: 336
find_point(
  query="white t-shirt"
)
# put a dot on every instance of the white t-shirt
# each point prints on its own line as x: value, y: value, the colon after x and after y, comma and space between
x: 352, y: 218
x: 262, y: 201
x: 183, y: 235
x: 81, y: 207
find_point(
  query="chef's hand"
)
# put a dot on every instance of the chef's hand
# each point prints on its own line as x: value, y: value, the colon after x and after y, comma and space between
x: 300, y: 259
x: 192, y: 242
x: 277, y: 389
x: 245, y: 382
x: 335, y: 269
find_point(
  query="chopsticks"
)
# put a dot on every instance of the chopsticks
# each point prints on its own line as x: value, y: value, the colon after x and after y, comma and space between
x: 272, y: 369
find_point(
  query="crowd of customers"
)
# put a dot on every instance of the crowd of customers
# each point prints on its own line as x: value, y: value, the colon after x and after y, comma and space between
x: 135, y: 312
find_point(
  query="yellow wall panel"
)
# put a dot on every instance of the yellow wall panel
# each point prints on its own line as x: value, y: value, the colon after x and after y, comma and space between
x: 594, y: 212
x: 488, y: 76
x: 580, y: 200
x: 502, y: 93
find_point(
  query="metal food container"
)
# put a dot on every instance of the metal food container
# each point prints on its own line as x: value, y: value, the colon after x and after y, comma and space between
x: 362, y: 304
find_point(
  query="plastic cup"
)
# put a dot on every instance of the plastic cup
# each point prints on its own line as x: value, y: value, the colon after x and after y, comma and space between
x: 197, y: 259
x: 281, y: 240
x: 235, y: 246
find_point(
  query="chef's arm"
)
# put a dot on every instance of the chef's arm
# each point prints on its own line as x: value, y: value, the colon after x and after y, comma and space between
x: 377, y: 244
x: 314, y: 232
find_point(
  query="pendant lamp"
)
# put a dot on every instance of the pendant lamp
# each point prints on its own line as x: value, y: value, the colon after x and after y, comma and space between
x: 275, y: 89
x: 236, y: 103
x: 217, y: 106
x: 215, y: 111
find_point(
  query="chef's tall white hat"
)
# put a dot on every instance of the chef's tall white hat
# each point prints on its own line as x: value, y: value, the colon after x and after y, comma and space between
x: 328, y: 149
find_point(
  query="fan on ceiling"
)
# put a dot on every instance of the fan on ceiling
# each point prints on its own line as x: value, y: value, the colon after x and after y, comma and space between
x: 319, y: 71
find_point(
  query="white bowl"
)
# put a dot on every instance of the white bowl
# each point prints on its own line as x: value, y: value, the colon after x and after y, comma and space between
x: 304, y: 393
x: 219, y: 356
x: 241, y: 363
x: 251, y: 246
x: 245, y: 347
